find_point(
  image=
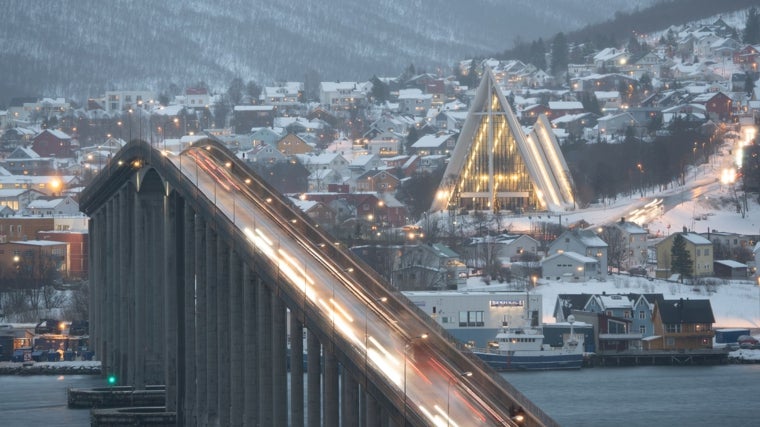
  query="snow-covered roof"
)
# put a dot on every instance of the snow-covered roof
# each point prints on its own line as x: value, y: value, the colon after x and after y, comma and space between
x: 731, y: 263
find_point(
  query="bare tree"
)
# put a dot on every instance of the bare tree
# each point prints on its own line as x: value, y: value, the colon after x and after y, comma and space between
x: 617, y: 248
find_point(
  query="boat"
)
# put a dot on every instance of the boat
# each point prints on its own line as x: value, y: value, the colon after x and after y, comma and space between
x: 523, y: 348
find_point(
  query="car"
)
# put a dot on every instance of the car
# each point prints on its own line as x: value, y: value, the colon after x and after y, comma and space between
x: 748, y: 341
x: 638, y: 271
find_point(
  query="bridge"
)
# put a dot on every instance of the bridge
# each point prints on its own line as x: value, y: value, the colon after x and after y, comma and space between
x: 204, y: 279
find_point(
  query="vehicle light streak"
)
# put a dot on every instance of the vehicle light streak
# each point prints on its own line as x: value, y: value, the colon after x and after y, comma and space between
x: 393, y: 374
x: 435, y: 419
x: 447, y: 419
x: 340, y: 323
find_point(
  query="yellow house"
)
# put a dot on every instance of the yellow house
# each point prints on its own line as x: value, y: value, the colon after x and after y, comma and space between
x: 699, y: 249
x: 292, y: 144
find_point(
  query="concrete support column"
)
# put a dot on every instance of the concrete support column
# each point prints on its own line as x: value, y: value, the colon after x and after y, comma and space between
x: 188, y: 381
x: 313, y: 377
x: 201, y: 321
x: 372, y: 414
x: 212, y: 343
x: 93, y: 314
x: 250, y: 343
x: 264, y: 309
x: 110, y: 367
x: 279, y: 362
x: 237, y: 344
x: 349, y: 400
x: 140, y: 311
x: 296, y: 371
x: 156, y: 289
x: 330, y: 378
x: 223, y: 329
x: 173, y: 244
x: 126, y: 278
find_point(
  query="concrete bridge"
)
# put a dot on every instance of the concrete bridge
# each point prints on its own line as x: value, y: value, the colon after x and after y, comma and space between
x: 204, y: 279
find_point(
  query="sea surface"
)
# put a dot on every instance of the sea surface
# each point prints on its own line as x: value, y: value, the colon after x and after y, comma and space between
x: 666, y: 396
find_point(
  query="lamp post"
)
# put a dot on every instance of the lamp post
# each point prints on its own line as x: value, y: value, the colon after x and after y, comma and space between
x: 465, y: 374
x: 407, y: 346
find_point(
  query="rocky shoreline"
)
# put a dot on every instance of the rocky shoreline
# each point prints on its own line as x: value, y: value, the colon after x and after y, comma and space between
x: 50, y: 368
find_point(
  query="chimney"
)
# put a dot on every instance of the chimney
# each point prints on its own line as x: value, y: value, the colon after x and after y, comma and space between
x: 622, y: 220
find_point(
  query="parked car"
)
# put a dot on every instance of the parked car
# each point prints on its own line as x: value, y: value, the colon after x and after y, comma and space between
x: 748, y: 341
x: 638, y: 271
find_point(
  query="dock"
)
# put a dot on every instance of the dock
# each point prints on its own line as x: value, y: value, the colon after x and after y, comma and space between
x: 658, y: 357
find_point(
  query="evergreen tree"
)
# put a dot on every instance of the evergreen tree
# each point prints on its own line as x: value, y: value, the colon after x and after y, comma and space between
x: 235, y: 91
x: 559, y: 54
x: 751, y: 33
x: 680, y: 260
x: 380, y: 90
x: 749, y: 83
x: 253, y: 90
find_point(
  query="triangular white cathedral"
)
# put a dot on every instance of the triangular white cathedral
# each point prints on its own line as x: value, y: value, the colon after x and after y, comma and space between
x: 496, y: 167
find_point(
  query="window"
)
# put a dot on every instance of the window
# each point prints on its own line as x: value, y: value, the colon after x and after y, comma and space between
x: 627, y: 314
x: 471, y: 318
x: 699, y: 252
x: 673, y: 328
x: 707, y: 252
x: 642, y: 329
x: 642, y: 314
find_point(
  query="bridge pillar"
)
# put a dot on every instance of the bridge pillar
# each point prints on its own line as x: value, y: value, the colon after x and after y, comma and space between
x: 111, y: 366
x: 372, y: 410
x: 330, y: 377
x: 126, y: 271
x: 212, y: 342
x: 237, y: 345
x: 313, y: 377
x: 296, y: 371
x: 264, y: 309
x: 349, y: 400
x: 186, y: 410
x: 201, y: 321
x: 223, y: 330
x: 173, y: 245
x: 279, y: 361
x: 139, y: 332
x: 250, y: 343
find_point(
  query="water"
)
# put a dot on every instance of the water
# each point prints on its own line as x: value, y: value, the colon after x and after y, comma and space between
x: 40, y: 400
x: 652, y: 396
x: 724, y: 395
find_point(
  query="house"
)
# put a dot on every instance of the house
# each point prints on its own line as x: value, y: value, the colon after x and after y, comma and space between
x: 18, y: 199
x: 615, y: 126
x: 117, y: 101
x: 321, y: 179
x: 291, y: 145
x: 569, y: 266
x: 379, y: 181
x: 342, y: 95
x: 332, y: 161
x: 634, y: 242
x: 321, y: 213
x: 77, y: 252
x: 615, y: 331
x: 385, y: 144
x: 52, y: 207
x: 562, y: 108
x: 283, y: 94
x: 718, y: 105
x: 267, y: 135
x: 583, y: 242
x: 29, y: 260
x: 730, y: 269
x: 364, y: 163
x: 610, y: 59
x: 428, y: 267
x: 247, y: 117
x: 414, y: 101
x: 442, y: 144
x: 53, y: 143
x: 263, y: 153
x: 682, y: 324
x: 25, y: 161
x: 700, y: 252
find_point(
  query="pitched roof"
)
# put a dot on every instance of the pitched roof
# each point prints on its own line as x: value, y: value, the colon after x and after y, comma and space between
x: 686, y: 311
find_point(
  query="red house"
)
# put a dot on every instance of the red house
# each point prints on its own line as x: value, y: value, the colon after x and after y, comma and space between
x: 53, y: 143
x: 717, y: 105
x: 78, y: 252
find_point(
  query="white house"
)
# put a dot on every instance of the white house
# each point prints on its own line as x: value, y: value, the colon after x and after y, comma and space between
x: 569, y: 266
x: 65, y: 206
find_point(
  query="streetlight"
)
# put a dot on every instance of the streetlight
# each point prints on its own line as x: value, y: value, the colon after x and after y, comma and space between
x: 465, y: 374
x: 407, y: 346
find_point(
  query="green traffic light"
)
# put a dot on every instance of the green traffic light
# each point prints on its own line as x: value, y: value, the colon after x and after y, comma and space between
x: 111, y: 379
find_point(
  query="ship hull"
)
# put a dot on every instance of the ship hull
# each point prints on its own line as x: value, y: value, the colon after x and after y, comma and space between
x: 530, y: 362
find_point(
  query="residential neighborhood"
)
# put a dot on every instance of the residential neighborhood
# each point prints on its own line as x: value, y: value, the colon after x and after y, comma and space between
x: 366, y: 160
